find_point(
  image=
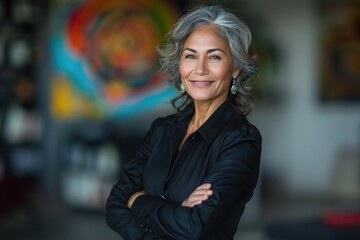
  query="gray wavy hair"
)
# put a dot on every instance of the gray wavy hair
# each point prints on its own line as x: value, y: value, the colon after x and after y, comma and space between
x: 233, y: 30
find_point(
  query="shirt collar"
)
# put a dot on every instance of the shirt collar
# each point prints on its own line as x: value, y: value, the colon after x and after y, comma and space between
x: 209, y: 130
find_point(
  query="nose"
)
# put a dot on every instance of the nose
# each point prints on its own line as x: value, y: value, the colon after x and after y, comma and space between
x: 202, y: 67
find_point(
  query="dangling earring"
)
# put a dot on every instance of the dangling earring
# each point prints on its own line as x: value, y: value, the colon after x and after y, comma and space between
x: 234, y: 89
x: 182, y: 88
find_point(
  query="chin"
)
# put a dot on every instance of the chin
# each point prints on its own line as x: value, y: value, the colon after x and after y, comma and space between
x: 201, y: 98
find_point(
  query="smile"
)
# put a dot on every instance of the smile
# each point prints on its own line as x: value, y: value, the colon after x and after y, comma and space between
x: 201, y: 83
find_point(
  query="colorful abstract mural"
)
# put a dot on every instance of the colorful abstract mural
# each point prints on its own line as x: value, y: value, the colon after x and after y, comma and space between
x: 104, y: 59
x: 340, y: 52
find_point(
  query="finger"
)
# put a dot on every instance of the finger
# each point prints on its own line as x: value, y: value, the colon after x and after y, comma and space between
x: 194, y: 198
x: 201, y: 193
x: 204, y: 186
x: 188, y: 203
x: 185, y: 203
x: 192, y: 204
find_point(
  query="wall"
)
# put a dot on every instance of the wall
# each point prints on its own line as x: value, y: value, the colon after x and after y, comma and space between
x: 302, y: 136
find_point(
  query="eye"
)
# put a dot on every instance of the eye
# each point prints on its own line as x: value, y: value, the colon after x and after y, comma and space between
x: 215, y: 57
x: 189, y: 56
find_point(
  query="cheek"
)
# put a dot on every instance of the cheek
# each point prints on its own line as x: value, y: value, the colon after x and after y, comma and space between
x: 184, y: 69
x: 224, y: 83
x: 222, y: 72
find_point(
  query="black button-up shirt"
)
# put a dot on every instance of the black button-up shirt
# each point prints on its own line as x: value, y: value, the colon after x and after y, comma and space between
x: 224, y: 151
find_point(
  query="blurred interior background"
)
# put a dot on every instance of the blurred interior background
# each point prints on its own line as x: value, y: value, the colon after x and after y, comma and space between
x: 79, y: 88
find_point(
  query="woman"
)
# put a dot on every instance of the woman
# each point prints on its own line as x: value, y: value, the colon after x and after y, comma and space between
x: 195, y: 170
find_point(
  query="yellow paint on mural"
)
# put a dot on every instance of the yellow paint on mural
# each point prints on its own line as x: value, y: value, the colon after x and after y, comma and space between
x: 65, y: 103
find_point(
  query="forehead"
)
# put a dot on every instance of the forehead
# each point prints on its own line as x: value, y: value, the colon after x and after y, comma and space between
x: 206, y: 36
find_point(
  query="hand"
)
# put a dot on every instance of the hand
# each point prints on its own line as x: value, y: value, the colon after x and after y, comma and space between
x: 198, y: 196
x: 134, y: 197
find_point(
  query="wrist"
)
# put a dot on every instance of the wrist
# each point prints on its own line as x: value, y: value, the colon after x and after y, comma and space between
x: 134, y: 197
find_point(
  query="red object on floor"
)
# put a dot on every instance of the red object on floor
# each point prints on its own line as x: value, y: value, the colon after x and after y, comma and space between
x: 342, y: 218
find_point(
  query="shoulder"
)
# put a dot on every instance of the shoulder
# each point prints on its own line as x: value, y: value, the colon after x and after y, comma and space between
x: 240, y: 129
x: 165, y: 124
x: 164, y: 121
x: 243, y: 142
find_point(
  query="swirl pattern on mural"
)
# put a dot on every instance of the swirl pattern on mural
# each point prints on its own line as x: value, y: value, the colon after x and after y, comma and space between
x: 107, y: 49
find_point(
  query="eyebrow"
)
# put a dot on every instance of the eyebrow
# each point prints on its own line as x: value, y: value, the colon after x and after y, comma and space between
x: 208, y: 51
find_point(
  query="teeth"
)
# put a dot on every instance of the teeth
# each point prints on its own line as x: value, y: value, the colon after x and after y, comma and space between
x: 201, y: 83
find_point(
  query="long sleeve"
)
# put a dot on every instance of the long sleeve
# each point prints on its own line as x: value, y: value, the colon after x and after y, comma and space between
x: 233, y: 177
x: 118, y: 216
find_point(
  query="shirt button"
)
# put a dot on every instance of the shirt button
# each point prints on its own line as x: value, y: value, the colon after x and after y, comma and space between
x: 163, y: 197
x: 142, y: 225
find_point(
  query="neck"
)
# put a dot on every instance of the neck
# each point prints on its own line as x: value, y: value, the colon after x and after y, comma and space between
x: 203, y: 110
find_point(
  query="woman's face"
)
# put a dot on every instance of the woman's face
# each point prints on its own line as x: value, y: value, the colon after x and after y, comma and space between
x: 206, y: 65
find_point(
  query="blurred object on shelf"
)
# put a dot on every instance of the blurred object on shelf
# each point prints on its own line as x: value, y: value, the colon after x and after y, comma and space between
x: 22, y: 131
x: 346, y: 176
x: 90, y: 165
x: 21, y: 121
x: 26, y: 11
x: 22, y: 125
x: 25, y: 160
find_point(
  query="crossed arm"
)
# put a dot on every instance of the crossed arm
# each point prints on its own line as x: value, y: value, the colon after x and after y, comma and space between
x: 232, y: 179
x: 200, y: 194
x: 232, y: 182
x: 128, y: 189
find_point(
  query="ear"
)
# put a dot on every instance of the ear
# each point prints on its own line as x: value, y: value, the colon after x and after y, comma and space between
x: 236, y: 73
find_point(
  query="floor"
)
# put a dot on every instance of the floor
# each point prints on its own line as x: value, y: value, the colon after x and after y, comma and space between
x: 47, y: 218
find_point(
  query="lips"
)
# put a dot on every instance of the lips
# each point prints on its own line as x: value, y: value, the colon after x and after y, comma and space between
x: 201, y: 83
